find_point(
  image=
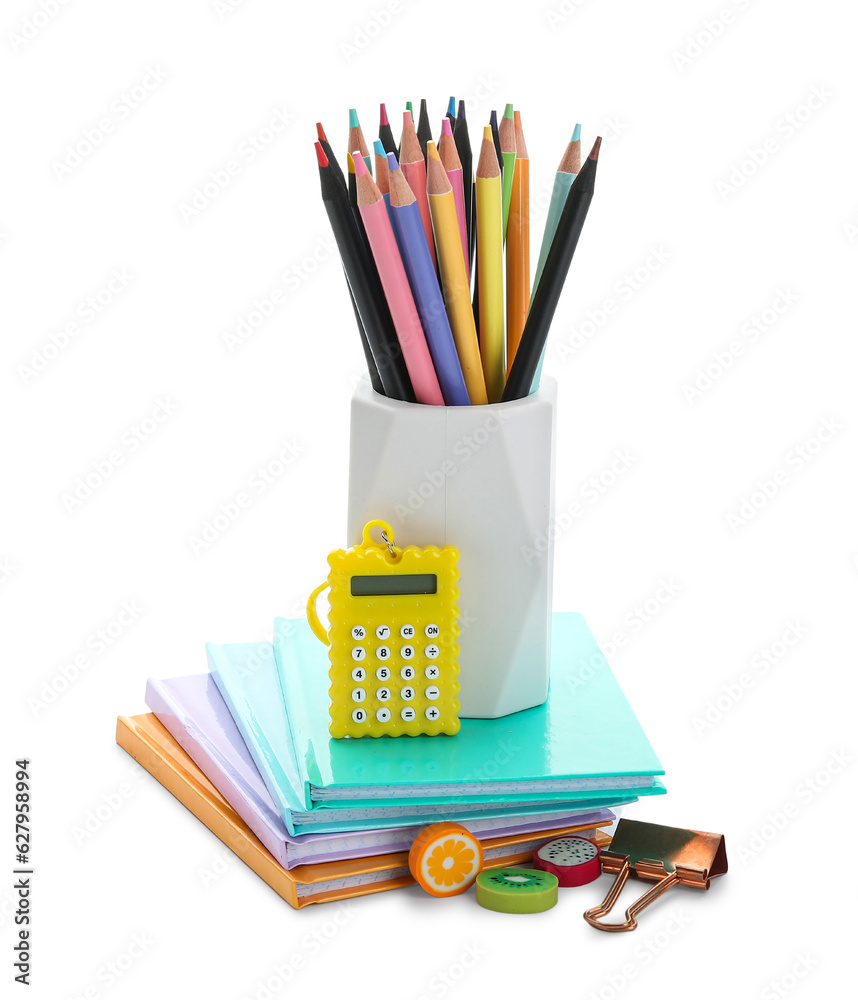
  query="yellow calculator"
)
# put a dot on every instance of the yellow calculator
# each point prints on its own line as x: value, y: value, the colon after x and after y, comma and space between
x: 393, y: 637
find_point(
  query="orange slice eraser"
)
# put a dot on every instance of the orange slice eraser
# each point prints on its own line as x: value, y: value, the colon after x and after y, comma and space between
x: 445, y: 859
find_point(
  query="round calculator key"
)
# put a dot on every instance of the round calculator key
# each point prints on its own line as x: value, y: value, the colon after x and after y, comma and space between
x: 407, y: 631
x: 359, y: 715
x: 407, y: 694
x: 408, y: 715
x: 431, y: 631
x: 383, y: 674
x: 382, y: 632
x: 358, y: 694
x: 432, y: 651
x: 358, y: 632
x: 383, y: 694
x: 407, y: 652
x: 432, y: 714
x: 407, y: 673
x: 432, y: 672
x: 432, y: 692
x: 383, y: 715
x: 382, y: 652
x: 358, y: 653
x: 358, y: 674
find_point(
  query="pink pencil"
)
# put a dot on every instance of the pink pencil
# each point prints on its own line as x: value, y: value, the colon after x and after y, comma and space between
x: 412, y: 163
x: 397, y: 291
x: 453, y: 166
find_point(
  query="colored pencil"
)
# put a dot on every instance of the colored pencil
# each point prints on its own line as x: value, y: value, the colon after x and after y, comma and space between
x: 568, y: 170
x: 493, y: 121
x: 506, y: 132
x: 408, y: 227
x: 397, y: 291
x: 490, y: 267
x: 463, y: 146
x: 385, y: 132
x: 451, y: 110
x: 454, y: 278
x: 424, y: 127
x: 547, y: 295
x: 413, y: 165
x: 381, y: 170
x: 518, y: 247
x: 376, y: 324
x: 356, y: 139
x: 453, y: 165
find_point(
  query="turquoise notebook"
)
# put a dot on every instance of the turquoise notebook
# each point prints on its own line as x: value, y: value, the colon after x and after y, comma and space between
x: 582, y: 743
x: 246, y: 676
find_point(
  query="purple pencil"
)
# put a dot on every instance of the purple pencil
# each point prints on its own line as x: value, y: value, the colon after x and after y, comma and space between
x: 408, y: 226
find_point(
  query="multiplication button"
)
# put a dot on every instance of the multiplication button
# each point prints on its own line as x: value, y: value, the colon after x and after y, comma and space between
x: 432, y: 672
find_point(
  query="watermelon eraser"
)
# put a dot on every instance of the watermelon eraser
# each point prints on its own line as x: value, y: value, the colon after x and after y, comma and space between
x: 574, y: 860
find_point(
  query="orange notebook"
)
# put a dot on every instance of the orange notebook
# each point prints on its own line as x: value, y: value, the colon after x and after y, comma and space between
x: 154, y: 748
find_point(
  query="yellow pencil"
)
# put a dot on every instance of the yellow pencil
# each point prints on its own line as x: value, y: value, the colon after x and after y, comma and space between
x: 490, y: 267
x: 454, y: 276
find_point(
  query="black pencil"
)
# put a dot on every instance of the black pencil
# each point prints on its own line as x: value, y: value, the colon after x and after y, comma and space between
x: 371, y: 306
x: 463, y: 148
x: 493, y: 121
x: 385, y: 132
x: 424, y: 127
x: 544, y: 304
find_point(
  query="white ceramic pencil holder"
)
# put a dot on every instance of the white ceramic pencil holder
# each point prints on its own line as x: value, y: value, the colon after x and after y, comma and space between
x: 480, y: 478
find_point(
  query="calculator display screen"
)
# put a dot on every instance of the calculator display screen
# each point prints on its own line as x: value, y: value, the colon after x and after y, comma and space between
x: 393, y: 585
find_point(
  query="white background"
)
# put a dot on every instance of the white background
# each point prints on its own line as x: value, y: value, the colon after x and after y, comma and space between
x: 674, y: 135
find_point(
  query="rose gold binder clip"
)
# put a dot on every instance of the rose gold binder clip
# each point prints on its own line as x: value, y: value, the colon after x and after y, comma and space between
x: 665, y: 855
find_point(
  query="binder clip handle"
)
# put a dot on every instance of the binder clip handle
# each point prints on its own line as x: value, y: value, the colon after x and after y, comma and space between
x: 662, y: 885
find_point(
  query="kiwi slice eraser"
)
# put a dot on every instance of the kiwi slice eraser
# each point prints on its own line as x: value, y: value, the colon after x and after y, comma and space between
x: 516, y: 890
x: 574, y: 860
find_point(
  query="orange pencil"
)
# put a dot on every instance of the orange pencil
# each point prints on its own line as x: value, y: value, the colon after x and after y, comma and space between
x: 518, y: 247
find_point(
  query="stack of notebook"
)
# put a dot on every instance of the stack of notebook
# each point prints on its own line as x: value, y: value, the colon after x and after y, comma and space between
x: 246, y: 749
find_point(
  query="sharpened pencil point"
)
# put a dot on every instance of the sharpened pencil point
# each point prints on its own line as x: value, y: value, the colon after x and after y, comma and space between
x: 432, y: 150
x: 407, y: 119
x: 594, y: 152
x: 353, y: 119
x: 378, y: 146
x: 493, y: 120
x: 487, y: 133
x: 382, y: 118
x: 507, y: 111
x: 391, y: 162
x: 359, y: 162
x: 446, y: 128
x: 350, y: 162
x: 461, y: 112
x: 320, y: 132
x: 576, y: 134
x: 320, y: 154
x: 451, y: 107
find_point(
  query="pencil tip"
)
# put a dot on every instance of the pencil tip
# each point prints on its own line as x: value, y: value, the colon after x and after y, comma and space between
x: 493, y: 120
x: 594, y: 152
x: 516, y: 116
x: 446, y: 127
x: 359, y: 162
x: 461, y: 113
x: 407, y: 120
x: 320, y: 154
x: 378, y: 146
x: 391, y: 162
x: 507, y: 111
x: 487, y: 133
x: 383, y: 120
x: 451, y: 106
x: 576, y: 134
x: 432, y: 150
x: 353, y: 118
x: 423, y: 108
x: 350, y: 163
x: 409, y: 107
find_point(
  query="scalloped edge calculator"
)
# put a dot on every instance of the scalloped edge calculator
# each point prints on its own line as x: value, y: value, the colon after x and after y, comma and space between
x: 392, y: 637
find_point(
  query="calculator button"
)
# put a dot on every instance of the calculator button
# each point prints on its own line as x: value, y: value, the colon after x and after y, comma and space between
x: 383, y: 674
x: 407, y: 693
x: 359, y: 715
x: 432, y: 672
x: 383, y: 652
x: 383, y: 715
x: 407, y: 631
x: 407, y: 652
x: 408, y: 714
x: 432, y: 692
x: 431, y: 631
x: 407, y: 673
x: 358, y: 632
x: 432, y: 651
x: 432, y: 713
x: 358, y: 694
x: 358, y: 674
x: 358, y: 652
x: 383, y: 694
x: 382, y: 632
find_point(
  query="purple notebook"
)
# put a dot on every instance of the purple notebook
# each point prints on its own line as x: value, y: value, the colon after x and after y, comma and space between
x: 194, y: 713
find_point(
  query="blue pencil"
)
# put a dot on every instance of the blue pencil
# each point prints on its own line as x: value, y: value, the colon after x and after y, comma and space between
x: 408, y: 227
